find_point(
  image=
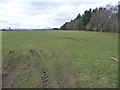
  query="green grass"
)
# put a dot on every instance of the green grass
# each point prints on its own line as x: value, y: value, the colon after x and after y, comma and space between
x: 79, y: 58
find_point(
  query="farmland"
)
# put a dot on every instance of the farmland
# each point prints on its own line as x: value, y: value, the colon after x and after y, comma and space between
x: 59, y: 59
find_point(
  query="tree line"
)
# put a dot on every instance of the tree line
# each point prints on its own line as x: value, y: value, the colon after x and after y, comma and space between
x: 104, y: 19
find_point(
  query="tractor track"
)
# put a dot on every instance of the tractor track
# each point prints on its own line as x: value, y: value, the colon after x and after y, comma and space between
x: 56, y: 72
x: 44, y: 70
x: 44, y: 76
x: 50, y: 73
x: 9, y: 72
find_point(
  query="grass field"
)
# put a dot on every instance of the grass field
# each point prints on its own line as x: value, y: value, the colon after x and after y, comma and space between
x: 59, y: 59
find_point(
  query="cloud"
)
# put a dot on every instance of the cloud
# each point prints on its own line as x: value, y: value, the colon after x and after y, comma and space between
x: 43, y: 13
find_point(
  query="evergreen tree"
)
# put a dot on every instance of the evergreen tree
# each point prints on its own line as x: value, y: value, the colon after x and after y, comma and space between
x: 78, y: 16
x: 86, y: 16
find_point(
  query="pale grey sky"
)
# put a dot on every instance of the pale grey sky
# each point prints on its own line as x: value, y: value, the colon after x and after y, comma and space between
x: 44, y: 13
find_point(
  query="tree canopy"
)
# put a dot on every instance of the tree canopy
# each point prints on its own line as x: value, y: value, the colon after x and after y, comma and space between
x: 103, y: 19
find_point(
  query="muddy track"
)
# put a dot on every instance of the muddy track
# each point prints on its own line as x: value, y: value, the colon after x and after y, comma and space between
x: 10, y: 52
x: 9, y: 72
x: 44, y: 76
x: 47, y: 73
x: 55, y: 71
x: 59, y: 79
x: 34, y: 53
x: 43, y: 71
x: 76, y: 39
x: 77, y: 82
x: 51, y: 74
x: 69, y: 69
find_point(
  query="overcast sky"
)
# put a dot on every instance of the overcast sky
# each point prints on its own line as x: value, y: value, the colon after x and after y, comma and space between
x: 44, y: 13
